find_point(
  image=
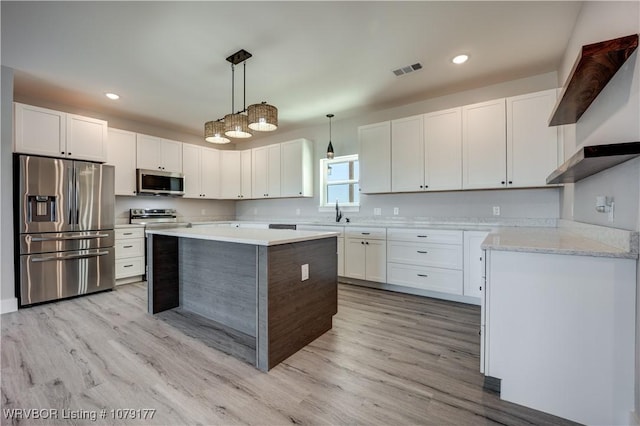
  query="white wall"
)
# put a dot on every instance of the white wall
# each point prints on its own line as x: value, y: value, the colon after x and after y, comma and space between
x: 188, y: 210
x: 8, y: 301
x: 537, y: 203
x: 612, y: 118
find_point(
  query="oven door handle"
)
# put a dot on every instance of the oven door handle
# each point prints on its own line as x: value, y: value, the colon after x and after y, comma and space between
x: 71, y: 237
x: 70, y: 257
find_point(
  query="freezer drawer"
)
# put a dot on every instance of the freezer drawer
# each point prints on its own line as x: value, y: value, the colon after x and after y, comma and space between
x: 65, y: 241
x: 51, y: 276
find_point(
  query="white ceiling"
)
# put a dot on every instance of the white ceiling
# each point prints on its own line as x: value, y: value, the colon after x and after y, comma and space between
x: 167, y: 59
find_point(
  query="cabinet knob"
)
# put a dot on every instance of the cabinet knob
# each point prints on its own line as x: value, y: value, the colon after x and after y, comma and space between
x: 426, y: 186
x: 68, y: 153
x: 62, y: 153
x: 299, y: 193
x: 420, y: 186
x: 503, y: 182
x: 361, y: 242
x: 367, y: 243
x: 480, y: 288
x: 510, y: 182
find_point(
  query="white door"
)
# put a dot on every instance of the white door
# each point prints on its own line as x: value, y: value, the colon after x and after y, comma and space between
x: 148, y: 152
x: 86, y: 138
x: 191, y: 156
x: 260, y: 175
x: 246, y: 172
x: 484, y: 146
x: 274, y: 171
x: 375, y: 157
x: 121, y: 153
x: 443, y: 150
x: 39, y: 131
x: 473, y: 263
x: 376, y: 260
x: 171, y: 156
x: 210, y: 173
x: 407, y: 154
x: 230, y: 174
x: 532, y: 146
x: 355, y: 259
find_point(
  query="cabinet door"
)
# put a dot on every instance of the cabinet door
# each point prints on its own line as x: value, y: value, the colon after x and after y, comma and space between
x: 376, y: 260
x: 443, y: 150
x: 375, y: 157
x: 210, y: 173
x: 532, y: 146
x: 86, y: 138
x: 246, y: 172
x: 148, y: 155
x: 39, y: 131
x: 171, y: 156
x: 122, y: 155
x: 230, y: 174
x: 407, y: 154
x: 260, y: 169
x: 297, y: 168
x: 484, y: 146
x: 355, y: 259
x: 473, y: 263
x: 274, y: 171
x: 340, y: 253
x: 192, y: 167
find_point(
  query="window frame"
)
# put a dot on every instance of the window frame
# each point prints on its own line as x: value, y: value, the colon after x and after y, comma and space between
x: 326, y: 206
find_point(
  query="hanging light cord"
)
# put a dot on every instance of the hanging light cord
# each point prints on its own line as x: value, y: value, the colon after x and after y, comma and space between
x: 330, y: 116
x: 233, y: 87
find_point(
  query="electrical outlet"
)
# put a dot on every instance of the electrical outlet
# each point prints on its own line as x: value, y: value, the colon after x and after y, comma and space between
x: 496, y: 210
x: 377, y: 211
x: 297, y: 212
x: 305, y: 272
x: 396, y: 211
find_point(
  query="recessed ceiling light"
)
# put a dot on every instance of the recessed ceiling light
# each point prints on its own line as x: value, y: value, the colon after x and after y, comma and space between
x: 112, y: 96
x: 460, y: 59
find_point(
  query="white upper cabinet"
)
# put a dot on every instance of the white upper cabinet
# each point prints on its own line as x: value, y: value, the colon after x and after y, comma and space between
x: 230, y: 174
x: 52, y: 133
x: 375, y: 157
x: 443, y: 150
x: 122, y: 155
x: 201, y: 172
x: 407, y: 154
x: 86, y: 138
x: 245, y: 182
x: 155, y: 153
x: 297, y: 168
x: 484, y: 147
x: 532, y: 146
x: 265, y: 163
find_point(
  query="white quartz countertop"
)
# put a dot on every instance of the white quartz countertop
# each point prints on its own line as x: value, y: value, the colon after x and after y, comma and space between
x: 551, y: 240
x: 258, y: 237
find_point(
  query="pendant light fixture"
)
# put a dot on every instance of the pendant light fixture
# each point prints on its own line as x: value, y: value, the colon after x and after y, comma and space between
x: 330, y: 153
x: 260, y: 117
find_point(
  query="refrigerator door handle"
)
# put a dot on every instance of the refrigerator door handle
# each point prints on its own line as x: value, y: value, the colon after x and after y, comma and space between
x: 70, y: 191
x: 72, y: 237
x: 68, y: 257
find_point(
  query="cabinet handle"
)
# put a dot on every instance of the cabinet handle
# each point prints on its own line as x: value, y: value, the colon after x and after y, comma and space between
x: 127, y: 266
x: 366, y: 233
x: 480, y: 288
x: 127, y: 246
x: 423, y: 275
x: 510, y: 182
x: 421, y: 236
x: 422, y: 252
x: 127, y: 233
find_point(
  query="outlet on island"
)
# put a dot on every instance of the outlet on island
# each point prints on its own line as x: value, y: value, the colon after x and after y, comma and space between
x: 305, y: 272
x: 496, y: 210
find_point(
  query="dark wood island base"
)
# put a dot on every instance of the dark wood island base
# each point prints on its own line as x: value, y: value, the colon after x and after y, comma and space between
x: 256, y: 290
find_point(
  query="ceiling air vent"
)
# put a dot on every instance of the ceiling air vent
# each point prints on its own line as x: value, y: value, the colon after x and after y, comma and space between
x: 406, y: 70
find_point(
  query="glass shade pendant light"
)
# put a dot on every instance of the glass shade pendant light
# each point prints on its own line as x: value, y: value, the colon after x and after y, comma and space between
x: 263, y: 117
x: 330, y: 153
x: 214, y: 132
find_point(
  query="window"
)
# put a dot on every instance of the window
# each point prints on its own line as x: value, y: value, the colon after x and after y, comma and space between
x: 339, y: 182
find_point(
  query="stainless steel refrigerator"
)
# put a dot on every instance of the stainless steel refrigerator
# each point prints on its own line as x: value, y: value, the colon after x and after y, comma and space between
x: 64, y: 216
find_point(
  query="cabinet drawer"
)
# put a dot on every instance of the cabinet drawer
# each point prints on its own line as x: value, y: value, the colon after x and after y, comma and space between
x: 425, y: 235
x: 129, y: 248
x: 366, y: 233
x: 423, y: 277
x: 129, y: 267
x: 436, y: 255
x: 126, y: 233
x: 322, y: 228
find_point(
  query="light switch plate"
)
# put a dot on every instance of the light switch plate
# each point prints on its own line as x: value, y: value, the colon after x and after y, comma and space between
x: 377, y: 211
x: 396, y: 211
x: 496, y: 210
x: 305, y: 272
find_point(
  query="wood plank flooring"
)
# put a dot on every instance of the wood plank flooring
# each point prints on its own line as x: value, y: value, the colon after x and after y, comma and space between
x: 390, y: 359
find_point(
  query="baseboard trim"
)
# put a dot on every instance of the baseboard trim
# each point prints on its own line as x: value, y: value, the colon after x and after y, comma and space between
x: 634, y: 418
x: 492, y: 384
x: 8, y: 305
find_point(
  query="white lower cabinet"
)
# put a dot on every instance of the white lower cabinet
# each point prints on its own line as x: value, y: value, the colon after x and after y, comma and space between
x: 340, y: 248
x: 425, y: 259
x: 473, y: 263
x: 365, y: 254
x: 129, y: 245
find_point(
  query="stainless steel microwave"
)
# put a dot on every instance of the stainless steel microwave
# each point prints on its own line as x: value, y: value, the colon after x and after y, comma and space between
x: 155, y: 182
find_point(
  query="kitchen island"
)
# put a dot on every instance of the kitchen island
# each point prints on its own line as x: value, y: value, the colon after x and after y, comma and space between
x: 274, y: 290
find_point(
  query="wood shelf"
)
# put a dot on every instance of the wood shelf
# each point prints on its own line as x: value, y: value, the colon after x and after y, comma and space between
x: 595, y: 66
x: 593, y: 159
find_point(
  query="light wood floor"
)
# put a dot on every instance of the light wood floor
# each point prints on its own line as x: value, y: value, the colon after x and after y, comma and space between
x: 390, y: 359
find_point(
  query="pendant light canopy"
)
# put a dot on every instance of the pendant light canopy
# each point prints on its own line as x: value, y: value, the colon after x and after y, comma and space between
x: 214, y: 132
x: 330, y: 153
x: 260, y: 117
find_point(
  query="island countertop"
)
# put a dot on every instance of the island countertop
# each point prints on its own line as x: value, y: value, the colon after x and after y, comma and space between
x: 258, y: 237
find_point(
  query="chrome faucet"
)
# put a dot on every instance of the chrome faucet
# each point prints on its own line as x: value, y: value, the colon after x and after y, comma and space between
x: 338, y: 212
